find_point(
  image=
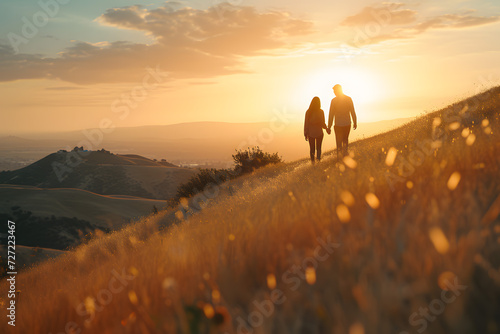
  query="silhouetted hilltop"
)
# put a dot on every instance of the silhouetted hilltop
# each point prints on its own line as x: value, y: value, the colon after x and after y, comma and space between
x: 101, y: 172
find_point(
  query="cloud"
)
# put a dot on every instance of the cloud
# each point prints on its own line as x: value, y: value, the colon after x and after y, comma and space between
x: 189, y: 43
x: 20, y: 66
x: 386, y: 14
x: 223, y: 30
x: 454, y: 21
x: 389, y: 21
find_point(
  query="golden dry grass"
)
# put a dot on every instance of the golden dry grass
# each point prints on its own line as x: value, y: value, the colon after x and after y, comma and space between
x: 398, y: 238
x: 29, y: 256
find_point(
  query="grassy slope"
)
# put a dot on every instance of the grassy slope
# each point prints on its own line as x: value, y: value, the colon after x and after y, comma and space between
x: 103, y: 211
x: 160, y: 181
x: 29, y: 256
x: 384, y: 268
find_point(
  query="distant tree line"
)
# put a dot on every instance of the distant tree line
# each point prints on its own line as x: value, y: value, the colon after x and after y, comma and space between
x: 47, y: 232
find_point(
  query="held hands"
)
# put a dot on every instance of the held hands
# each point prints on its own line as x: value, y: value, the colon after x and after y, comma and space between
x: 306, y: 138
x: 329, y: 130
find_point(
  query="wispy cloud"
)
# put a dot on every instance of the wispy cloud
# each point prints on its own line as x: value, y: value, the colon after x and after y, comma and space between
x: 189, y: 43
x: 455, y: 21
x: 388, y: 13
x: 389, y: 21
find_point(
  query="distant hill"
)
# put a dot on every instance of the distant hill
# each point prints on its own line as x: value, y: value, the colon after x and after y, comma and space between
x: 101, y: 211
x: 103, y: 173
x: 14, y: 140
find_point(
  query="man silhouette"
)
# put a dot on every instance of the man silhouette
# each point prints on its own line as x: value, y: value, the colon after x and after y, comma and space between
x: 342, y: 109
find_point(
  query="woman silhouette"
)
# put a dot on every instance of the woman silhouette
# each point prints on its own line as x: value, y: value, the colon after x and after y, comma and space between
x: 313, y: 127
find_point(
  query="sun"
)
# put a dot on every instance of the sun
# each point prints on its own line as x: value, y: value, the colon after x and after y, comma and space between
x: 357, y: 83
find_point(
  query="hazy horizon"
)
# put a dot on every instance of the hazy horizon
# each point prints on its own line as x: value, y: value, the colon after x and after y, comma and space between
x: 32, y: 134
x: 192, y: 142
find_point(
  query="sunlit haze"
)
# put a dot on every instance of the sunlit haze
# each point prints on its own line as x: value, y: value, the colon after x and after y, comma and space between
x: 189, y: 61
x: 174, y: 166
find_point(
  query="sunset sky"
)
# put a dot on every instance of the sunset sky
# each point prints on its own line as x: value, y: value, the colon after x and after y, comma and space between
x: 68, y: 65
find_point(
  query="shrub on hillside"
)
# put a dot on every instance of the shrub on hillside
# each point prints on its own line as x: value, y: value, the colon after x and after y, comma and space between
x: 245, y: 162
x: 248, y: 160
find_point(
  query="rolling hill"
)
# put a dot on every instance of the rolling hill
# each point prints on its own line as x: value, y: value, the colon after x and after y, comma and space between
x: 402, y: 236
x: 110, y: 212
x: 62, y: 218
x: 103, y: 173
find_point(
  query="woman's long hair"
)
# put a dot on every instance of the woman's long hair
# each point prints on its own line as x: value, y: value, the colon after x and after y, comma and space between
x: 315, y: 104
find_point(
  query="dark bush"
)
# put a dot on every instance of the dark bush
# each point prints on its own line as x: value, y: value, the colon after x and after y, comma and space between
x: 245, y: 162
x: 252, y: 158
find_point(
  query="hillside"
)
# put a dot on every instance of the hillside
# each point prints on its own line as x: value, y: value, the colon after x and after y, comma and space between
x: 61, y: 218
x: 103, y: 173
x: 103, y: 211
x: 401, y: 237
x: 27, y: 257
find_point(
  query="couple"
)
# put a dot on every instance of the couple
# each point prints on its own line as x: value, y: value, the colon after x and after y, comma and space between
x: 342, y: 109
